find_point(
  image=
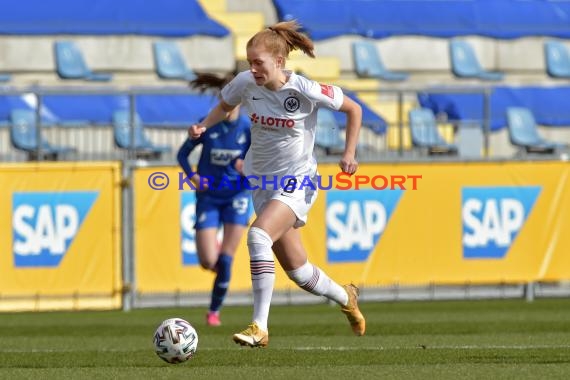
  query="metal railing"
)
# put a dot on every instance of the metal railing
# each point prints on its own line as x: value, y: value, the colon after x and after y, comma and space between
x: 96, y: 139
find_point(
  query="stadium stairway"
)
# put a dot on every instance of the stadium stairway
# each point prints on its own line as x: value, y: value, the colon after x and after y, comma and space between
x: 242, y: 25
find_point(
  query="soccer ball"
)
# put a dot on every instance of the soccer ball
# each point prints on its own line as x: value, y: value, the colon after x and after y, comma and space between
x: 175, y: 340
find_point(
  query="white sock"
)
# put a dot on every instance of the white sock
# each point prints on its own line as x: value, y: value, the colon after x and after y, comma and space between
x: 262, y: 268
x: 314, y: 280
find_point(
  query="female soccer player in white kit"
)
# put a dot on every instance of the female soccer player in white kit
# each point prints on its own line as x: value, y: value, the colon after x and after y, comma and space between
x: 283, y: 110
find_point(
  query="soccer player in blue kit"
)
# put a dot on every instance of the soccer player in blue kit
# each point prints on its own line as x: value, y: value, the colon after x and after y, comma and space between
x: 221, y: 197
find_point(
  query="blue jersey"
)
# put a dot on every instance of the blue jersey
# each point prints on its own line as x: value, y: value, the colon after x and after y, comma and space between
x: 221, y: 144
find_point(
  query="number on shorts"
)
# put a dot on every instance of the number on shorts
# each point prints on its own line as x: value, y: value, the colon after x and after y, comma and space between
x: 290, y: 186
x: 240, y: 205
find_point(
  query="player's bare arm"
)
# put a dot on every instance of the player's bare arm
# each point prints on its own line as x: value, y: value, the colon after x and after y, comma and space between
x: 348, y: 163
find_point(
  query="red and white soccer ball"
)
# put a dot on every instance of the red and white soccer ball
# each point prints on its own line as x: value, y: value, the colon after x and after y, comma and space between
x: 175, y: 340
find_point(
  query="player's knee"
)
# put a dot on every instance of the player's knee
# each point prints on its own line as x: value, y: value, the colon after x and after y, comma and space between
x: 293, y: 276
x: 208, y: 264
x: 256, y: 235
x: 259, y: 244
x: 301, y: 275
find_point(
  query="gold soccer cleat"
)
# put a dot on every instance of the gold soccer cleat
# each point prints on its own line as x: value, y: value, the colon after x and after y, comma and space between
x: 253, y: 336
x: 352, y: 312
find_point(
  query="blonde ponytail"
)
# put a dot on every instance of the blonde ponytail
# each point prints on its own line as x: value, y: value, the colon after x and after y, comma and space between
x: 281, y: 38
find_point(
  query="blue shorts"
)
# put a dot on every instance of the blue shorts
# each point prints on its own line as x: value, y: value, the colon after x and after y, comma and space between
x: 211, y: 212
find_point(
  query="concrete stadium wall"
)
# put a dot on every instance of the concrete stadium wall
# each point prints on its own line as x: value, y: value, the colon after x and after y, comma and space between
x: 417, y: 54
x: 115, y: 53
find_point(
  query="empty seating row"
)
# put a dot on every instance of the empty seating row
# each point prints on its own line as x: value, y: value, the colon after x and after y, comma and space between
x: 550, y: 105
x: 522, y: 129
x: 464, y: 62
x: 518, y: 109
x: 157, y: 110
x: 128, y: 134
x: 521, y: 125
x: 547, y: 104
x: 82, y: 112
x: 427, y: 138
x: 169, y: 63
x: 168, y: 60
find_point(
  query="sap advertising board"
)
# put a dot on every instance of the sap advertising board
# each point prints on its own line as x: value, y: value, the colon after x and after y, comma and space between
x: 355, y: 222
x: 44, y: 225
x: 491, y: 218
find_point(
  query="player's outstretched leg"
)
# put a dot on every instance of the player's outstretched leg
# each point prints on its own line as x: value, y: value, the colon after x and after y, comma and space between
x: 253, y: 336
x: 314, y: 280
x: 352, y: 312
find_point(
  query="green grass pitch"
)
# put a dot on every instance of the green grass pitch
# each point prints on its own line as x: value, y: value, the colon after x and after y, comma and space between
x: 499, y: 339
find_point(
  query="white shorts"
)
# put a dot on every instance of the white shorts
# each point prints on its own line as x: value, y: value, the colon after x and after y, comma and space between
x: 299, y: 198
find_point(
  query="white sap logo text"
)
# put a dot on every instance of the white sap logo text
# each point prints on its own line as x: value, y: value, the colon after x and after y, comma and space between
x: 499, y: 219
x: 355, y: 223
x: 356, y: 220
x: 492, y: 218
x: 45, y: 224
x: 54, y: 226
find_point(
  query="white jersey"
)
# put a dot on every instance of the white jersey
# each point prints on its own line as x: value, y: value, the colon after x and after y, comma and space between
x: 283, y: 122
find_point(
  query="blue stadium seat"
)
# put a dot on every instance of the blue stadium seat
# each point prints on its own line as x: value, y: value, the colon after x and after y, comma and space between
x: 557, y: 59
x: 464, y: 62
x: 24, y: 136
x: 368, y: 64
x: 70, y: 63
x: 169, y: 62
x: 5, y: 77
x: 142, y: 146
x: 327, y: 135
x: 425, y: 135
x: 523, y: 132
